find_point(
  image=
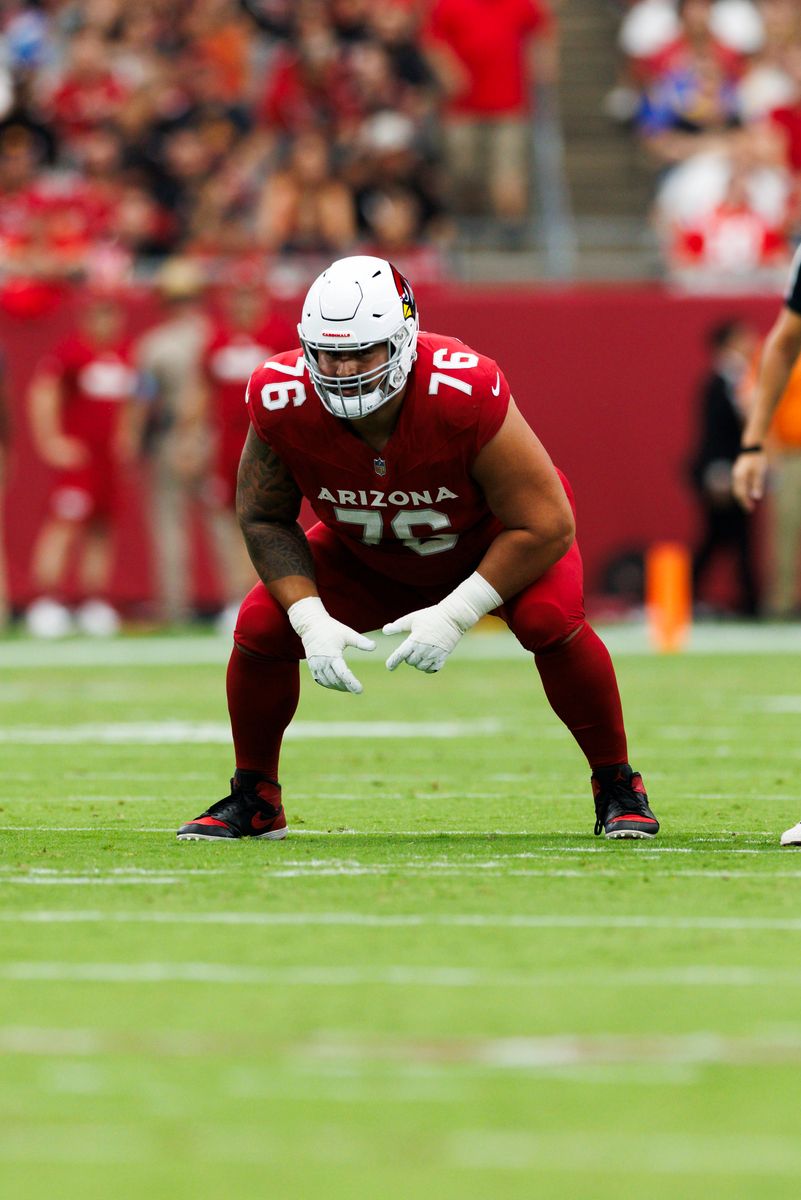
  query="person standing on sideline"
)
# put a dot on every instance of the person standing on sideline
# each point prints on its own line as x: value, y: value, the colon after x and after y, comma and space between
x: 781, y: 351
x: 436, y: 505
x: 727, y: 527
x: 174, y: 445
x: 783, y: 593
x: 80, y: 398
x: 247, y: 333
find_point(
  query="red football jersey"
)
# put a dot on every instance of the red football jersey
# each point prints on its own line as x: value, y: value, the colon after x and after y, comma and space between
x: 95, y: 384
x: 411, y: 512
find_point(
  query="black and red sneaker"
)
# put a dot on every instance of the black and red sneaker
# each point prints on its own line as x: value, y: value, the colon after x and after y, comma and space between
x: 621, y: 803
x: 253, y: 809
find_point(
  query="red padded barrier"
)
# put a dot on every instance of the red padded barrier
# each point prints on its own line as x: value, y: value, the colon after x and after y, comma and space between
x: 606, y: 375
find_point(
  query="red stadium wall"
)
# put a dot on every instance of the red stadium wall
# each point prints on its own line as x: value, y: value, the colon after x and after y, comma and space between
x: 607, y: 376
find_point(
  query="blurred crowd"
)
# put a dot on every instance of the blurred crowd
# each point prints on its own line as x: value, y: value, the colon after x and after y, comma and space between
x: 224, y: 151
x: 288, y: 128
x: 713, y: 90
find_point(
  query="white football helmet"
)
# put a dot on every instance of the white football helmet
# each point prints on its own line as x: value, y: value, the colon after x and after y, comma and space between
x: 359, y: 302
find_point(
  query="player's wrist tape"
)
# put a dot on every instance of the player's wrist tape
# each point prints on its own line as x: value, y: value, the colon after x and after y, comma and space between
x: 754, y: 448
x: 305, y: 613
x: 470, y: 601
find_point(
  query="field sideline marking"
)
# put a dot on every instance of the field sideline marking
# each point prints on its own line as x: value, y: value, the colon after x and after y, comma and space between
x: 193, y: 650
x: 404, y: 920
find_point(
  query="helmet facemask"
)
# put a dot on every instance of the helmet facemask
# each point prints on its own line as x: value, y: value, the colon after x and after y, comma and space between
x: 352, y: 397
x: 356, y: 304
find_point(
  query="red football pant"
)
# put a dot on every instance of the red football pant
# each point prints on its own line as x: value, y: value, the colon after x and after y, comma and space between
x: 547, y: 618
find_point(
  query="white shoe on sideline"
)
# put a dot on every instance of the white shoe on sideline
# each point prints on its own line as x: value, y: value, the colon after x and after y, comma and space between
x: 792, y: 837
x: 46, y: 618
x: 97, y: 619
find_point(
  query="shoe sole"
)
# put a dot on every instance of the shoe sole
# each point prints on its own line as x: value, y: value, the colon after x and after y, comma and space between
x: 274, y: 835
x: 638, y: 834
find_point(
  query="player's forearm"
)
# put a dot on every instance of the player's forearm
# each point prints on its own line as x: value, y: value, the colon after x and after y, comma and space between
x: 774, y: 374
x: 282, y: 558
x: 517, y: 557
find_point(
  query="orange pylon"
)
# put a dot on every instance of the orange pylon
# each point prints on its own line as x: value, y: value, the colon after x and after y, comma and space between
x: 668, y: 595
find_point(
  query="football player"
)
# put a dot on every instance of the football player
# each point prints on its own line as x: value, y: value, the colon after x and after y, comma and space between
x: 79, y: 401
x: 436, y: 504
x: 779, y: 356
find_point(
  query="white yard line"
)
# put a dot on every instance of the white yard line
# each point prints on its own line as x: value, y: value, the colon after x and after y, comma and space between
x: 402, y: 870
x: 167, y: 733
x: 403, y: 920
x: 395, y: 975
x: 705, y: 845
x: 120, y: 828
x: 774, y: 704
x: 496, y: 1053
x: 590, y: 1155
x: 85, y: 777
x: 414, y: 866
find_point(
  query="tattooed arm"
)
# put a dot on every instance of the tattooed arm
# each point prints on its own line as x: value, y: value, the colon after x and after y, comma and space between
x: 267, y: 505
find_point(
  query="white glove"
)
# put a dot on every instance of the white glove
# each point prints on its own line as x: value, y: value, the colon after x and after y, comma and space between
x: 324, y: 641
x: 433, y: 632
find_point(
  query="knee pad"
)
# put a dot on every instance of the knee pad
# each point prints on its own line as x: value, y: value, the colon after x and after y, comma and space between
x: 263, y: 628
x: 543, y: 625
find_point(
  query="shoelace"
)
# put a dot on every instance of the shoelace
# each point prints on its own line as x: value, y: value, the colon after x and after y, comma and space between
x: 634, y: 801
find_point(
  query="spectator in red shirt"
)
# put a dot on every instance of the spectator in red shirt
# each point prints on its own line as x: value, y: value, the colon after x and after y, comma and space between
x: 310, y: 85
x: 484, y: 53
x: 78, y: 402
x: 33, y: 259
x: 89, y: 93
x: 786, y: 121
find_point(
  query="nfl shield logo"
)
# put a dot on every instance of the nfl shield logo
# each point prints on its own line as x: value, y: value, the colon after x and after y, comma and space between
x: 379, y: 466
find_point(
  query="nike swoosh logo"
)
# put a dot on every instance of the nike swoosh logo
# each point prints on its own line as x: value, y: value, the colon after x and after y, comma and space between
x: 257, y: 821
x: 496, y: 391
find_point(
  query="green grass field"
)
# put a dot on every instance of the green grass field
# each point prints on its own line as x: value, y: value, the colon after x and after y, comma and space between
x: 441, y: 984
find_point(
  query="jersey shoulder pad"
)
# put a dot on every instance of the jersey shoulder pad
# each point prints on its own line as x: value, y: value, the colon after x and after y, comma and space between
x: 281, y: 385
x: 469, y: 389
x: 449, y: 354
